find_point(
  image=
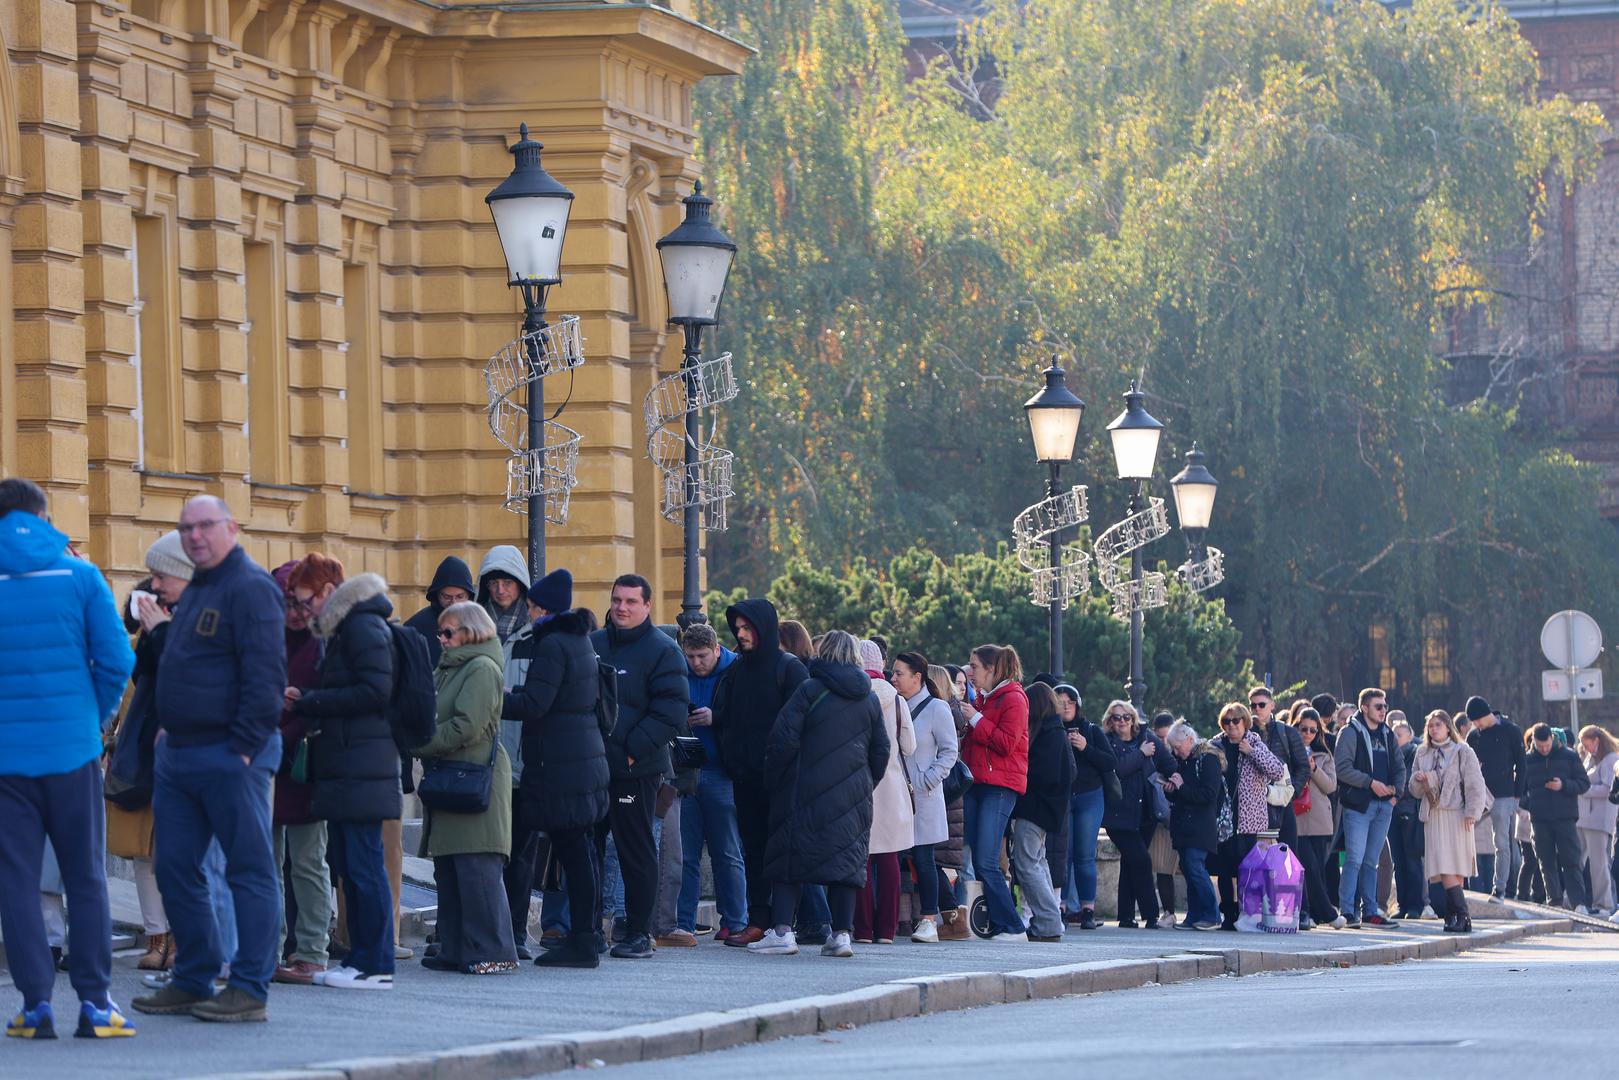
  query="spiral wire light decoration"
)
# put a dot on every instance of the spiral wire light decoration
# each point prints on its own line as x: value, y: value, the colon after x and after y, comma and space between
x: 552, y: 468
x: 702, y: 386
x: 1035, y: 529
x: 1205, y: 573
x: 1113, y: 550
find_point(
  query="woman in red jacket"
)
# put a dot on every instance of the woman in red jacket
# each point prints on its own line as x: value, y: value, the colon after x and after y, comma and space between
x: 996, y: 749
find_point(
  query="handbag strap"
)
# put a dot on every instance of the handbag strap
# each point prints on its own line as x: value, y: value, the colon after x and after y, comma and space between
x: 904, y: 765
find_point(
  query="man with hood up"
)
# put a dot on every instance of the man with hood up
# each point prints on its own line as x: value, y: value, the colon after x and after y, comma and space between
x: 747, y: 700
x: 503, y: 589
x: 452, y: 583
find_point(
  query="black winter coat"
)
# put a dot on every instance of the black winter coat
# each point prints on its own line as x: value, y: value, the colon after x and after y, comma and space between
x: 1194, y: 807
x: 1051, y: 778
x: 353, y: 760
x: 1500, y: 752
x: 1287, y: 744
x: 652, y: 697
x: 1132, y: 812
x: 826, y: 754
x: 752, y: 691
x: 565, y: 775
x: 1095, y: 761
x: 1562, y: 805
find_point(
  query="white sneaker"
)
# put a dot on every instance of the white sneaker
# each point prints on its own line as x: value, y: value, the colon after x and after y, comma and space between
x: 775, y: 943
x: 1429, y: 913
x: 926, y: 932
x: 157, y: 980
x: 1010, y: 936
x: 1339, y: 923
x: 838, y: 945
x: 347, y: 978
x: 1614, y: 918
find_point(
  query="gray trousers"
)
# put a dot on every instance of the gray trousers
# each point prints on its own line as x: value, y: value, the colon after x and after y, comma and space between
x: 311, y: 887
x: 671, y: 869
x: 1503, y: 813
x: 1034, y: 878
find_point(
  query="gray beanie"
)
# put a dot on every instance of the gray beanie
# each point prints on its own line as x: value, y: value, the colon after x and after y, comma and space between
x: 168, y: 557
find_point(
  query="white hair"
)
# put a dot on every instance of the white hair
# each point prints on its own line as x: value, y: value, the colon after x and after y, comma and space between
x: 839, y: 647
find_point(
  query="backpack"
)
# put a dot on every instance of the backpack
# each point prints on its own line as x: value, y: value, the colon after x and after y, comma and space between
x: 606, y: 697
x: 413, y: 706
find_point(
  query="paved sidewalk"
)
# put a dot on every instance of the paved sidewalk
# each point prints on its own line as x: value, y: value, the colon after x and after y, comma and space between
x: 432, y: 1011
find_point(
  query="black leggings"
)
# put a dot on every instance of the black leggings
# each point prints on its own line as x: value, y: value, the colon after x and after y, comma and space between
x: 1312, y: 852
x: 840, y: 898
x: 575, y: 852
x: 1136, y: 886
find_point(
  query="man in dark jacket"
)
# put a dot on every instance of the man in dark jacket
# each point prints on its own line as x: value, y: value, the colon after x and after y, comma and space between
x: 747, y: 701
x: 1285, y: 743
x: 652, y: 705
x: 452, y: 583
x: 353, y: 758
x: 564, y: 790
x: 220, y: 688
x: 1498, y: 744
x: 1371, y: 774
x: 708, y: 815
x: 1554, y: 780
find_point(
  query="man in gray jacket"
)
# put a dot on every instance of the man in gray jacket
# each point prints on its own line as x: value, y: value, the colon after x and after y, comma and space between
x: 1371, y: 774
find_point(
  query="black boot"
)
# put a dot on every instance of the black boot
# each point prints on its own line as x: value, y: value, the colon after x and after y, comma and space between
x: 1458, y: 907
x: 578, y: 951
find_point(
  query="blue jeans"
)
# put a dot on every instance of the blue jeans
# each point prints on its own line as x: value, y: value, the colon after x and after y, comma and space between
x: 1084, y: 821
x: 554, y: 911
x: 814, y: 910
x: 709, y: 817
x: 1364, y: 834
x: 613, y: 880
x: 988, y: 809
x: 1202, y: 906
x: 203, y: 794
x: 354, y: 848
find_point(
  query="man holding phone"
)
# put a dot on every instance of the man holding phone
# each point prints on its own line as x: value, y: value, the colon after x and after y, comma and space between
x: 708, y: 816
x: 1371, y: 774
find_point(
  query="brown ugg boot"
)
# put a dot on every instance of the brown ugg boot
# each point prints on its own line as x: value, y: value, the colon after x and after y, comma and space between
x: 953, y: 925
x: 159, y: 953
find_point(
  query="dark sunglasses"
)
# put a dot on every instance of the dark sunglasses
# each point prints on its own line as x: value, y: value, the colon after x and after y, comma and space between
x: 446, y: 635
x: 1260, y: 704
x: 1233, y: 722
x: 1379, y: 707
x: 1308, y: 730
x: 1118, y: 716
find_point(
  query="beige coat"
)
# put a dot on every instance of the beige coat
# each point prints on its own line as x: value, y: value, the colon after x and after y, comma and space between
x: 1460, y: 783
x: 892, y: 819
x: 1323, y: 782
x: 1596, y: 812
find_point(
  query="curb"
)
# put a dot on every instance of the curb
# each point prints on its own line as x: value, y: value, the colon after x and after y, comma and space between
x: 895, y: 1000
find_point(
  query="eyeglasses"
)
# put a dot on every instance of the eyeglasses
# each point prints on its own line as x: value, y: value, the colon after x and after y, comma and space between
x: 295, y: 604
x: 1379, y: 707
x: 197, y: 526
x: 447, y: 634
x: 1308, y: 730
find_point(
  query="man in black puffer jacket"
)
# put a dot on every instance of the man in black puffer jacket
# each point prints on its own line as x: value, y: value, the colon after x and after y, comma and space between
x: 824, y: 757
x: 565, y: 776
x: 747, y: 700
x: 353, y: 761
x: 652, y: 700
x: 1554, y: 780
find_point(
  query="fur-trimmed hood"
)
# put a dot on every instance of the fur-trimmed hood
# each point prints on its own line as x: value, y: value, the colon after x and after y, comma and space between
x: 367, y: 592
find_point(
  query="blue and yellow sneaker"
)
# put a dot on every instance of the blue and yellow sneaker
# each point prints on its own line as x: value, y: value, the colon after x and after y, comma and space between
x: 106, y: 1023
x: 36, y: 1023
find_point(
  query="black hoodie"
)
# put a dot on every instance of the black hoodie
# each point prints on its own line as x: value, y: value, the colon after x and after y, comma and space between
x: 452, y: 573
x: 752, y: 691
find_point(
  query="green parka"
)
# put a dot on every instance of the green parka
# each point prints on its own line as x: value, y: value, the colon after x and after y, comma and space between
x: 471, y: 683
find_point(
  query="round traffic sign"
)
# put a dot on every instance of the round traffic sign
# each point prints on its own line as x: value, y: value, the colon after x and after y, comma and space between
x: 1571, y: 639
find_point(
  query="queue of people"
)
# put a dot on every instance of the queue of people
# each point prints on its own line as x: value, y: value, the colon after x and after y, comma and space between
x: 845, y: 795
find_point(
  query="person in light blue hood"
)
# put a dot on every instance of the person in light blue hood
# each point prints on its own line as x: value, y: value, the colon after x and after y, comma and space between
x: 64, y: 660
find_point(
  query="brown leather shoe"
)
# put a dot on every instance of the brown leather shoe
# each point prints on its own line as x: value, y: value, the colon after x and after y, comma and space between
x: 159, y: 953
x: 953, y: 925
x: 677, y: 939
x: 742, y: 939
x: 298, y: 973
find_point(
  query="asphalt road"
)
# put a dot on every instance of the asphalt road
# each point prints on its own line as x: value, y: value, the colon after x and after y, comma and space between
x: 433, y: 1010
x: 1535, y: 1008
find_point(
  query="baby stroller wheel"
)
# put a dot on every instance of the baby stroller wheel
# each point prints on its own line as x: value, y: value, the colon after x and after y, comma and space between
x: 978, y: 917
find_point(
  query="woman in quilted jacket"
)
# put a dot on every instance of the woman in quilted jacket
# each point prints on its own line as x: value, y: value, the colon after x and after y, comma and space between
x: 996, y: 750
x: 1249, y: 769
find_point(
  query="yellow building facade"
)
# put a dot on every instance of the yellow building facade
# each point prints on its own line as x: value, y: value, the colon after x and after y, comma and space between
x: 244, y: 250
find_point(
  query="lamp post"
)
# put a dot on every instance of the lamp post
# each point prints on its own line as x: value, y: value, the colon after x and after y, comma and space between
x: 1135, y: 435
x: 530, y: 208
x: 1054, y: 415
x: 697, y: 259
x: 1194, y: 488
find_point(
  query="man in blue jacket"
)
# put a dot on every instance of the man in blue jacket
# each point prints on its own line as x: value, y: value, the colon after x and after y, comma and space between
x: 64, y: 659
x: 709, y: 815
x: 220, y: 687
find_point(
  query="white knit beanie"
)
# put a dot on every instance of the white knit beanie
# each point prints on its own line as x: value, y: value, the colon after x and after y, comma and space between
x: 168, y: 557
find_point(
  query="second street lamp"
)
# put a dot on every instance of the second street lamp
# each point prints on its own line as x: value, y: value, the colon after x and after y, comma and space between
x: 530, y: 208
x: 1054, y: 416
x: 697, y: 259
x: 1135, y: 434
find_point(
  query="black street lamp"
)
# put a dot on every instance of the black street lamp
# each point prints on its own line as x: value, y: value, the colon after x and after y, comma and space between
x: 1135, y: 437
x: 1054, y: 415
x: 1194, y: 488
x: 530, y: 208
x: 697, y: 258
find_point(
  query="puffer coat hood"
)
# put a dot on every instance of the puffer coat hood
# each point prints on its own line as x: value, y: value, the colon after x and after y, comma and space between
x: 751, y: 692
x: 766, y: 623
x: 502, y: 559
x: 826, y: 754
